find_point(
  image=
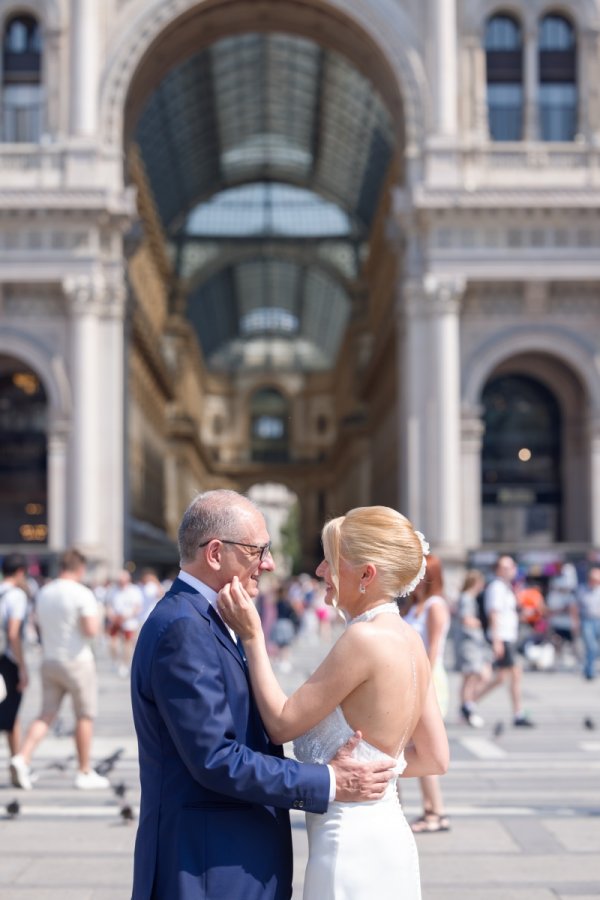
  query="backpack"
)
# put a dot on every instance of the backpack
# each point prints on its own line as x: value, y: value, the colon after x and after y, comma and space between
x: 5, y: 589
x: 481, y: 612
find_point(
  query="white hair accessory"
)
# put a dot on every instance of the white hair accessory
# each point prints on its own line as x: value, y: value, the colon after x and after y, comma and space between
x: 409, y: 588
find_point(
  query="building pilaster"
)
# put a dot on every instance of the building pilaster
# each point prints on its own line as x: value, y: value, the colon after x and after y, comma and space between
x: 114, y: 381
x: 594, y: 435
x: 86, y: 485
x: 58, y: 434
x: 446, y: 66
x: 472, y: 428
x: 429, y: 381
x: 85, y: 55
x: 531, y: 127
x: 444, y: 299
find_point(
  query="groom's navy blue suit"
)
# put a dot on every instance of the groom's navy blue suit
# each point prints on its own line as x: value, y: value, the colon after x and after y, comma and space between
x: 214, y: 822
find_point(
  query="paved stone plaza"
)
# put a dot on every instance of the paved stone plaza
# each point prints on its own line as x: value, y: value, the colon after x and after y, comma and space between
x: 525, y: 806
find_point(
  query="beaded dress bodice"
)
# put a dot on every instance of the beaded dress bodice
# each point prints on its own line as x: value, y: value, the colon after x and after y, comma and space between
x: 321, y: 743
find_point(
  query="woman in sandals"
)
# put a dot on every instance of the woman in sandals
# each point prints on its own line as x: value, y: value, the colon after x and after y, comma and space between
x: 429, y: 615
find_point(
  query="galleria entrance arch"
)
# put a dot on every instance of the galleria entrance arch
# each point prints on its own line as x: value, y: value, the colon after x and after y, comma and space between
x: 265, y: 161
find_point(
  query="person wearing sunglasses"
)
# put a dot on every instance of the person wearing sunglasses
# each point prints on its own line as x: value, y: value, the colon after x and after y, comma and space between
x: 215, y: 790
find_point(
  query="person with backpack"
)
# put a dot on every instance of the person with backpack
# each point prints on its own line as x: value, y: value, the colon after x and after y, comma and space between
x: 473, y: 649
x: 502, y: 610
x: 13, y: 671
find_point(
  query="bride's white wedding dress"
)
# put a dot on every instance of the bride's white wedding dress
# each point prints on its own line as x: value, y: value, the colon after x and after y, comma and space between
x: 357, y: 851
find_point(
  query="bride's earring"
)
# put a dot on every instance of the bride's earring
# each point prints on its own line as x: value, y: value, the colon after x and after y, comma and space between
x: 362, y: 589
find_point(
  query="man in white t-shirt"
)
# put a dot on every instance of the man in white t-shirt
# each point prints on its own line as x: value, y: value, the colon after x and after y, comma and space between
x: 67, y: 617
x: 13, y: 671
x: 502, y: 612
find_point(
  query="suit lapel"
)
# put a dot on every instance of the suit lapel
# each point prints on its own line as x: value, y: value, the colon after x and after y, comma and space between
x: 217, y: 626
x: 223, y: 635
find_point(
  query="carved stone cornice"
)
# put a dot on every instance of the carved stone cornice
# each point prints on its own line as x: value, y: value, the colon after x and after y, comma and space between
x: 114, y: 206
x: 444, y: 295
x: 432, y: 295
x: 84, y: 293
x: 99, y: 293
x: 493, y: 198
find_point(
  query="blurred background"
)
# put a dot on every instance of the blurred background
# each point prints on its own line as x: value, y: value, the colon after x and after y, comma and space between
x: 332, y: 254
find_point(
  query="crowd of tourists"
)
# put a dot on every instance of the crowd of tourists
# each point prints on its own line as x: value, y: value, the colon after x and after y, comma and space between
x: 494, y: 624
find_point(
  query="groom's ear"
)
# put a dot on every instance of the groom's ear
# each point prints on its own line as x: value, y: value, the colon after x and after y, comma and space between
x: 213, y: 554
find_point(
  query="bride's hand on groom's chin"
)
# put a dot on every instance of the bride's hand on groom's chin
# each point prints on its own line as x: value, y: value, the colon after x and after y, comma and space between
x: 238, y: 611
x: 359, y: 781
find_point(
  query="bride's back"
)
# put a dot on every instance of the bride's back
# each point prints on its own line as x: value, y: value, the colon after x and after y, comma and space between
x: 387, y: 705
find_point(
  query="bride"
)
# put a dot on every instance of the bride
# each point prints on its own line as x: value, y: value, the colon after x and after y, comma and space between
x: 375, y: 682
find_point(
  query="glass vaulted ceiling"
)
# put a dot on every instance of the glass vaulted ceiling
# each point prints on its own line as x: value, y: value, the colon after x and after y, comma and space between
x: 255, y: 145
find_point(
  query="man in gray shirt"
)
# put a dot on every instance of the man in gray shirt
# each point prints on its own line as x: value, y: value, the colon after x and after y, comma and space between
x: 586, y: 616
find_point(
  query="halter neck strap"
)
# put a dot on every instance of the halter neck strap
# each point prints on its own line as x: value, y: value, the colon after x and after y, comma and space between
x: 389, y: 607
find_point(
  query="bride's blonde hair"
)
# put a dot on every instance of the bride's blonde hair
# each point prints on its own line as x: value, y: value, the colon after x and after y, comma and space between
x: 378, y: 535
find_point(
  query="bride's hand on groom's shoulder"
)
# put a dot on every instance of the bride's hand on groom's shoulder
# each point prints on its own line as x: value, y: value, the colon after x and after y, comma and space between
x: 238, y: 610
x: 357, y: 781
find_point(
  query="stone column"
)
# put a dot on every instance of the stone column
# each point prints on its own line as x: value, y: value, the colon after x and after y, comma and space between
x: 476, y: 97
x: 531, y: 77
x: 412, y: 344
x: 429, y: 384
x: 57, y: 486
x: 588, y: 73
x: 443, y: 411
x: 86, y: 477
x: 594, y: 438
x: 112, y: 412
x: 85, y: 54
x: 471, y: 502
x: 52, y: 80
x: 445, y: 61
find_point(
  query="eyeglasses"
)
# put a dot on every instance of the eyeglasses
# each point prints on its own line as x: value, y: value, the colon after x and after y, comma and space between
x: 263, y: 549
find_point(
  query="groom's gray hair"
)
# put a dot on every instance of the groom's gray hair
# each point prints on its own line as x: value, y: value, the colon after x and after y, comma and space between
x: 213, y: 514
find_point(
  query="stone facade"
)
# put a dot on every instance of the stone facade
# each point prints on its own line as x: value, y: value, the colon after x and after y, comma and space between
x: 484, y: 259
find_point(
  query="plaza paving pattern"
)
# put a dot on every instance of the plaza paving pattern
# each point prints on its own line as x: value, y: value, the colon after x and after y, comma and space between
x: 524, y: 805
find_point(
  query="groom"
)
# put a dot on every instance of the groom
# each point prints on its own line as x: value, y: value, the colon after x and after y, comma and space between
x: 214, y: 821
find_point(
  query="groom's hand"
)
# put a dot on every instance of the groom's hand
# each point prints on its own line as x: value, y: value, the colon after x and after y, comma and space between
x: 356, y: 781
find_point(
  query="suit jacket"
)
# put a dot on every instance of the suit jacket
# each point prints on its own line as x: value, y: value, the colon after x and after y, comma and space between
x: 214, y: 821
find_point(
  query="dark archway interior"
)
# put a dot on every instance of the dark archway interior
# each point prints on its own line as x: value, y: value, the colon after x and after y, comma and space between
x: 23, y: 461
x: 521, y: 461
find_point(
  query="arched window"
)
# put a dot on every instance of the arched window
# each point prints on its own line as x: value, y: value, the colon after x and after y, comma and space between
x: 269, y: 425
x: 521, y: 462
x: 558, y: 79
x: 504, y: 67
x: 22, y: 80
x: 23, y: 485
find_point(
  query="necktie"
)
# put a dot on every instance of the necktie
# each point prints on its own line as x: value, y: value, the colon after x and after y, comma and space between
x: 240, y: 648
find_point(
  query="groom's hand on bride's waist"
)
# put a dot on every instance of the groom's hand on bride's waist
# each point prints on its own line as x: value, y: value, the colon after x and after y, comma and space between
x: 356, y: 781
